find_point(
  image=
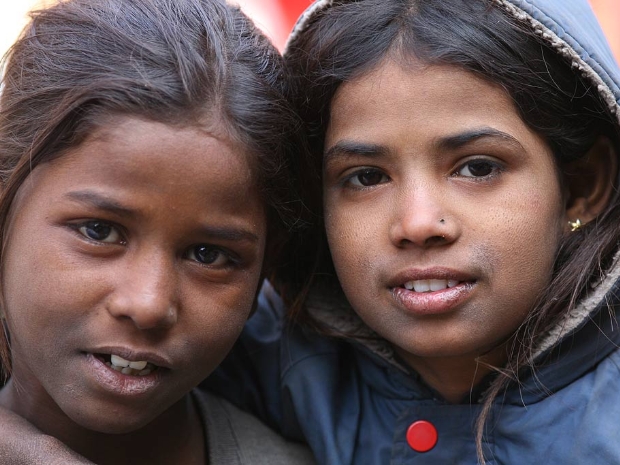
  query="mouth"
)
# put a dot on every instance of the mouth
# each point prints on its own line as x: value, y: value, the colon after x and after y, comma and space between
x: 430, y: 285
x: 127, y: 367
x: 432, y: 296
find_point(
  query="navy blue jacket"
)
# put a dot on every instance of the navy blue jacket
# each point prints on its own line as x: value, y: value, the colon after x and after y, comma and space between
x: 354, y: 406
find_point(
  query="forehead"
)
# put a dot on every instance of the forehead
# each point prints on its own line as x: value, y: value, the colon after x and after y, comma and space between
x: 423, y: 100
x: 424, y: 95
x: 149, y: 166
x: 142, y: 148
x: 425, y: 110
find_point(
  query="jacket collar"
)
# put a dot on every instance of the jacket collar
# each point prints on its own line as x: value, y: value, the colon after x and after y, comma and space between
x: 568, y: 351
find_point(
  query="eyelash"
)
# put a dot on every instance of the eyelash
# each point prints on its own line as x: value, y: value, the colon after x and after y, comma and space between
x: 348, y: 180
x: 496, y: 169
x: 82, y: 228
x: 231, y: 260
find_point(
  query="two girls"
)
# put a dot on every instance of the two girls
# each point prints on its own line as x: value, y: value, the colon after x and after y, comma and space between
x: 456, y: 298
x: 144, y: 152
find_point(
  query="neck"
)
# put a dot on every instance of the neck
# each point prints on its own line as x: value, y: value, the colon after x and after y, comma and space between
x: 176, y: 436
x: 455, y: 377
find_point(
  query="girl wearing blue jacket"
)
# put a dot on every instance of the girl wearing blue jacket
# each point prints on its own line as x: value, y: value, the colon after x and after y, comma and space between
x: 454, y: 298
x: 460, y: 307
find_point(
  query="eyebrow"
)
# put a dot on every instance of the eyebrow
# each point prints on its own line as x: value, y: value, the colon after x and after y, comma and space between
x: 104, y: 203
x: 229, y: 234
x: 100, y: 202
x: 459, y: 140
x: 346, y: 148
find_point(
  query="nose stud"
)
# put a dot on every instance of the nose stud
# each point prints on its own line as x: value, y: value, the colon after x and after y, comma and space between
x: 442, y: 221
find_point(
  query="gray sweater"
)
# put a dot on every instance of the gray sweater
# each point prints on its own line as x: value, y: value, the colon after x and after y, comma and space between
x: 235, y: 437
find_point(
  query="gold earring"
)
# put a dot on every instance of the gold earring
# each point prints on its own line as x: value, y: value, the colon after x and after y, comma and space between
x: 575, y: 225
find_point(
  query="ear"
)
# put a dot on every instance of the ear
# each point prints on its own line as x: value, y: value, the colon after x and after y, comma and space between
x: 591, y: 181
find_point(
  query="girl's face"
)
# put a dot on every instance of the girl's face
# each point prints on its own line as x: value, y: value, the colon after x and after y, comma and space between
x: 443, y: 209
x: 142, y: 246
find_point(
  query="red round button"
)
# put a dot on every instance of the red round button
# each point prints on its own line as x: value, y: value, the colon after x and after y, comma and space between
x: 422, y: 436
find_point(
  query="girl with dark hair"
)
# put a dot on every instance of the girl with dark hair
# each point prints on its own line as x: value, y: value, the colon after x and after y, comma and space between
x: 456, y: 300
x: 144, y: 149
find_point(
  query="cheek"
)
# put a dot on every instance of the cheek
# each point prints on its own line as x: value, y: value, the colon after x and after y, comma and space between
x: 26, y: 279
x: 40, y: 317
x: 526, y: 240
x: 541, y: 223
x: 216, y: 317
x: 353, y: 241
x: 46, y: 289
x: 230, y: 313
x: 213, y: 336
x: 39, y: 303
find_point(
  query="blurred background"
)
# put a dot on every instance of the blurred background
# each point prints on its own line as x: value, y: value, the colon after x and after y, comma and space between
x: 276, y: 18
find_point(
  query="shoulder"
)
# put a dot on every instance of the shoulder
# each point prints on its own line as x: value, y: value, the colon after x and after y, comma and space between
x: 580, y: 420
x: 237, y: 437
x: 270, y: 340
x: 272, y: 355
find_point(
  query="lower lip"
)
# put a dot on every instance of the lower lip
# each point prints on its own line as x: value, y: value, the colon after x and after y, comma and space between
x: 433, y: 303
x: 118, y: 383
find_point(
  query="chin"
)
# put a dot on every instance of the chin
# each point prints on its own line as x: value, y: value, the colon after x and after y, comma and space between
x: 121, y: 424
x: 112, y: 420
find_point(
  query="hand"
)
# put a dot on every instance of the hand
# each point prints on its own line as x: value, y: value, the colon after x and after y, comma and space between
x: 22, y: 444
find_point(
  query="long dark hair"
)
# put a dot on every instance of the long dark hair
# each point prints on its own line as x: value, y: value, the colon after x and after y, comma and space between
x: 179, y: 62
x: 352, y: 37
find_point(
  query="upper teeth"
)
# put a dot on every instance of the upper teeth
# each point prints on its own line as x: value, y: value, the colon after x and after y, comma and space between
x: 121, y: 362
x: 430, y: 285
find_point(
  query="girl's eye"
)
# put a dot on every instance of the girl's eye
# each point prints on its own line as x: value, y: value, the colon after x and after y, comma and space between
x: 100, y: 231
x: 367, y: 177
x: 208, y: 255
x: 478, y: 169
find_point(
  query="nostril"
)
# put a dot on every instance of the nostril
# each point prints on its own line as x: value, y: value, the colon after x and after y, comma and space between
x: 145, y: 311
x: 435, y: 240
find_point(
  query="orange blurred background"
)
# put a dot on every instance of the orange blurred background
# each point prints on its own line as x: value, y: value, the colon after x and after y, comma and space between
x: 608, y: 13
x: 276, y: 18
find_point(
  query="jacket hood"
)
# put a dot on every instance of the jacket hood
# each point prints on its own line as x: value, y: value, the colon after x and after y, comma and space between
x: 572, y: 30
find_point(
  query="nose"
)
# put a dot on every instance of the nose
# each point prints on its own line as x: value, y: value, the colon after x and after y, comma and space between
x: 422, y: 215
x: 146, y: 293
